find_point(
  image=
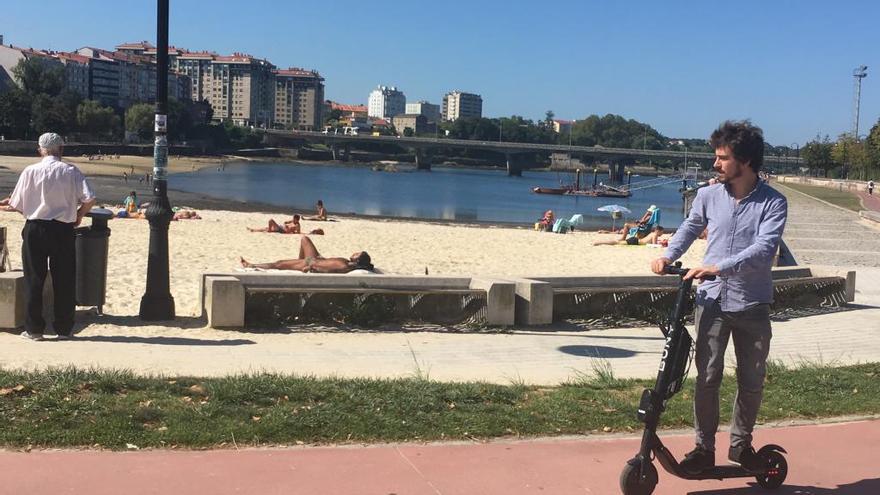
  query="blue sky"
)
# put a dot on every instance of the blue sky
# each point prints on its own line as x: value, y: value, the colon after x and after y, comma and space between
x: 681, y: 66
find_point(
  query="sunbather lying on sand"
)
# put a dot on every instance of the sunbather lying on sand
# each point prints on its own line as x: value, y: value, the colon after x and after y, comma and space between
x: 310, y: 261
x: 289, y: 227
x: 652, y: 238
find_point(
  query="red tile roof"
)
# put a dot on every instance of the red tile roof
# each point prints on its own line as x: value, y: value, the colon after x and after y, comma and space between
x: 296, y: 71
x: 348, y: 108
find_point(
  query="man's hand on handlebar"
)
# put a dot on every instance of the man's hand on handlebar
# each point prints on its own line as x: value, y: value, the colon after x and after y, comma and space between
x: 658, y: 266
x: 703, y: 272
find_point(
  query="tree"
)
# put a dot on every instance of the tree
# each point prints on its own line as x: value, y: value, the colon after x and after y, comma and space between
x: 817, y: 154
x: 96, y: 121
x: 40, y: 75
x: 139, y: 120
x: 548, y: 118
x: 15, y: 114
x: 52, y: 114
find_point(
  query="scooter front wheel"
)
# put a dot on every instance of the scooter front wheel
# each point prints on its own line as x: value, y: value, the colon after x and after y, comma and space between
x: 639, y: 477
x: 776, y: 471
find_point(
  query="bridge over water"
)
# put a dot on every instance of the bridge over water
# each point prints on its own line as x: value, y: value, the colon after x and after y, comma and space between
x: 340, y: 145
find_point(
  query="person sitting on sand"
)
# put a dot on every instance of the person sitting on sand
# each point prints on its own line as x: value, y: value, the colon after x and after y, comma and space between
x: 546, y: 222
x: 310, y: 261
x: 320, y: 212
x: 652, y: 238
x: 130, y: 203
x: 289, y: 227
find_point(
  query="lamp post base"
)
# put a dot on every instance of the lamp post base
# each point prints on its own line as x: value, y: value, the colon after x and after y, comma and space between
x: 157, y: 308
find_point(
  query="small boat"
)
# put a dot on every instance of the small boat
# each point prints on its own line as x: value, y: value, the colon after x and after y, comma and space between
x: 575, y: 190
x: 601, y: 191
x: 552, y: 190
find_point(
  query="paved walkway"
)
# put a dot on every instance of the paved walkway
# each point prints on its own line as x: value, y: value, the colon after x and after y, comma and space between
x: 870, y: 201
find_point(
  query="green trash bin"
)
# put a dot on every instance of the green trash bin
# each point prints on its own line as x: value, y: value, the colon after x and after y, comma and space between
x: 92, y: 245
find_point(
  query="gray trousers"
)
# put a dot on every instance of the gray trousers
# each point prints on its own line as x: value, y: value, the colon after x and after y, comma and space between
x: 751, y: 342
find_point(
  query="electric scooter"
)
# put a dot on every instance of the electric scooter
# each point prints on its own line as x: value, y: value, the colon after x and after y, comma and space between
x: 639, y: 476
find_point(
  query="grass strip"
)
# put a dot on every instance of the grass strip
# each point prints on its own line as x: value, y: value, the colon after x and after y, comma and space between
x: 844, y: 199
x: 117, y: 410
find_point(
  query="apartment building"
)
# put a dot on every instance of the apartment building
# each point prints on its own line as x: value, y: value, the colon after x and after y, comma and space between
x: 416, y: 122
x: 458, y: 104
x: 299, y: 96
x: 386, y: 102
x: 242, y: 90
x: 422, y: 107
x: 121, y: 79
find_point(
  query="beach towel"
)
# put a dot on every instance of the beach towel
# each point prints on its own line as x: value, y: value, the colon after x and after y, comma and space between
x: 561, y: 226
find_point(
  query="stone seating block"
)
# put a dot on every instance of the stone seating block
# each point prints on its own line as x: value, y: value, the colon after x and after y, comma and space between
x: 534, y: 302
x: 11, y: 299
x: 224, y: 302
x: 500, y: 299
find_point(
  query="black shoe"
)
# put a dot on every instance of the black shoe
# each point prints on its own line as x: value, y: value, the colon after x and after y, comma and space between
x: 698, y: 460
x: 747, y: 458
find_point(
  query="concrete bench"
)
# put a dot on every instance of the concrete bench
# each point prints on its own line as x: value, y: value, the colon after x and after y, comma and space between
x: 536, y: 305
x: 224, y: 294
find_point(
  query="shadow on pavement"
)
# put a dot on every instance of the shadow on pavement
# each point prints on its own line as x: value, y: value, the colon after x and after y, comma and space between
x: 134, y: 339
x: 598, y: 351
x: 862, y: 487
x: 86, y: 318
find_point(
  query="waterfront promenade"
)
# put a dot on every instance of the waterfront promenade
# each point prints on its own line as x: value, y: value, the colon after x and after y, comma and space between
x: 817, y: 233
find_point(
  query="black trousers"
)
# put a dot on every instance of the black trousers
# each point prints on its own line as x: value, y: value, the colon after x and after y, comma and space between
x: 48, y: 244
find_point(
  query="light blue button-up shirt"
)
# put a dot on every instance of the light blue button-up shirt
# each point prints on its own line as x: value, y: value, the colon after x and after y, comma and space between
x: 743, y: 239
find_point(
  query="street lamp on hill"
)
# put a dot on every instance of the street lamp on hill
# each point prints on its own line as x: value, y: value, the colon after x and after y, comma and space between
x: 157, y: 303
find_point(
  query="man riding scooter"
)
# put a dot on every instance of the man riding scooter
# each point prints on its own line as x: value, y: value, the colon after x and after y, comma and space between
x: 745, y: 218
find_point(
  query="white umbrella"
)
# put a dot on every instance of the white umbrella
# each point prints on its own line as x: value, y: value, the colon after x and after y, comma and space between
x: 616, y: 211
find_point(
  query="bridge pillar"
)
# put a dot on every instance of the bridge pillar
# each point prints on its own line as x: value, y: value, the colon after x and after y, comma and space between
x: 334, y: 152
x: 619, y: 174
x: 514, y: 169
x: 423, y: 160
x: 346, y: 153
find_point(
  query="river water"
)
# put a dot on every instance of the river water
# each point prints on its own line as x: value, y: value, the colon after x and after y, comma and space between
x: 457, y: 194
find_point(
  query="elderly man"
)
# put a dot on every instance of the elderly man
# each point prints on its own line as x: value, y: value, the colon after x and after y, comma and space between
x: 53, y: 196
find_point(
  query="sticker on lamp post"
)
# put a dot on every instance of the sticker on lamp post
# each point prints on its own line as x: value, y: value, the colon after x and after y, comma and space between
x: 161, y: 123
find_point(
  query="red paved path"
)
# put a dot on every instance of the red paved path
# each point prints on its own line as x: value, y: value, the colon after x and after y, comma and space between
x: 840, y: 459
x: 872, y: 201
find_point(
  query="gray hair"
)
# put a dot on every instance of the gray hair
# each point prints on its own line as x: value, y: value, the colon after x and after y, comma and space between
x: 51, y: 142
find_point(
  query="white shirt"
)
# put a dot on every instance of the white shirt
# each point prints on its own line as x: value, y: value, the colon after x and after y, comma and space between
x: 51, y: 190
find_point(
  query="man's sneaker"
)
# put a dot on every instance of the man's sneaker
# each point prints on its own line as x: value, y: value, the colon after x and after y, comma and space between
x: 32, y: 336
x: 63, y: 336
x: 746, y: 457
x: 698, y: 460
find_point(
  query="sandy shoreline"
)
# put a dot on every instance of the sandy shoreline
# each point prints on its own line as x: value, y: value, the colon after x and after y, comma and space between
x: 215, y: 243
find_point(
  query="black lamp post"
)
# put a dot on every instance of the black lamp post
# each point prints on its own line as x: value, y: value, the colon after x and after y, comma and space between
x: 157, y: 303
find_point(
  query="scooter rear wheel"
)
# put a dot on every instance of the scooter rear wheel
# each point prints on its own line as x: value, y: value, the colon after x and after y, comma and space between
x: 777, y: 470
x: 637, y: 481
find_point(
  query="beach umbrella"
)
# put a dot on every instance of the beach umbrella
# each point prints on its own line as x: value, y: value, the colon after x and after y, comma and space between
x: 616, y: 212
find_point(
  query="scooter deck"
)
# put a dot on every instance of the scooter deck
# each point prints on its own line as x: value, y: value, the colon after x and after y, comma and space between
x: 718, y: 473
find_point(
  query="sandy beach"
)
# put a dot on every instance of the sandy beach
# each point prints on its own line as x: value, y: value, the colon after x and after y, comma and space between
x: 215, y: 243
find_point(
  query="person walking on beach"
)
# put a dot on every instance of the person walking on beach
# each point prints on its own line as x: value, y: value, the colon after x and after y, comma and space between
x: 871, y: 187
x: 745, y: 218
x: 53, y: 196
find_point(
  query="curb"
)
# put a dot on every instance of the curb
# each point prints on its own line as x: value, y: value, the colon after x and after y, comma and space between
x: 874, y: 216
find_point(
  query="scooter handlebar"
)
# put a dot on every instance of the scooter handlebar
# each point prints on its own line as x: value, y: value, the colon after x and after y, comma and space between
x: 676, y: 269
